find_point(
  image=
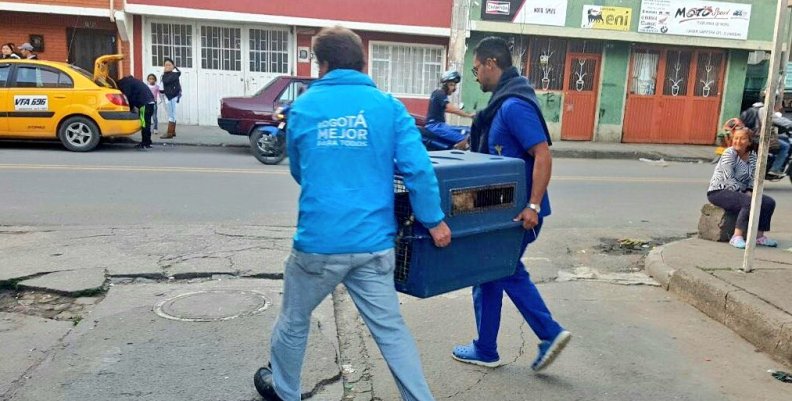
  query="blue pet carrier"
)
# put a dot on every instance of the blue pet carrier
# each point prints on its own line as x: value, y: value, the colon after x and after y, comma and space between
x: 480, y: 195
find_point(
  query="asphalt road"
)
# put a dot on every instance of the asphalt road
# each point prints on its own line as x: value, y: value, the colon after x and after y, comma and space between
x: 595, y: 202
x: 632, y: 342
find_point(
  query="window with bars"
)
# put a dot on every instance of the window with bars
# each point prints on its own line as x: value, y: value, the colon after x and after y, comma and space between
x: 644, y: 72
x: 269, y: 51
x: 677, y: 73
x: 708, y: 73
x: 585, y: 46
x: 172, y: 41
x: 221, y: 48
x: 406, y: 70
x: 546, y: 63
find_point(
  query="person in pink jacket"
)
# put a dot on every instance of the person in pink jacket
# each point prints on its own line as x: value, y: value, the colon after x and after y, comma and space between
x: 155, y: 90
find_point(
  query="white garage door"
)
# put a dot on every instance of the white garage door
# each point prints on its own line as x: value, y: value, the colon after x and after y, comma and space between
x: 216, y: 61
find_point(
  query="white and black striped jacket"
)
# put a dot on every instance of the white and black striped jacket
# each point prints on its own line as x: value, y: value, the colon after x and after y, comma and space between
x: 733, y: 173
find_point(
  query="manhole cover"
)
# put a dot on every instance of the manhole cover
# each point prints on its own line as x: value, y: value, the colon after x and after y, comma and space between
x: 212, y: 306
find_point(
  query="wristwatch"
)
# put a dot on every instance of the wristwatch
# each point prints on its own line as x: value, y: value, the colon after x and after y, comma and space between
x: 536, y: 208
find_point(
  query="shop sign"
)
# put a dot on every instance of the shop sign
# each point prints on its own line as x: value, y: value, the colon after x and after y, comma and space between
x: 710, y: 19
x: 539, y: 12
x: 611, y: 18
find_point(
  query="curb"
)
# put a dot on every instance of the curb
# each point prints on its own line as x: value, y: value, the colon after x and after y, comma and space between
x: 760, y: 323
x: 158, y: 141
x: 558, y: 153
x: 624, y: 155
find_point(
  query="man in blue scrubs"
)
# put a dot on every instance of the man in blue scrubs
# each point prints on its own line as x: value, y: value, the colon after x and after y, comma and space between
x: 512, y: 125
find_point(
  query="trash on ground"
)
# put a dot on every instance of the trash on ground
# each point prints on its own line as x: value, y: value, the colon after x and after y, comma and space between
x: 585, y: 273
x: 631, y: 243
x: 659, y: 163
x: 347, y: 369
x: 782, y: 376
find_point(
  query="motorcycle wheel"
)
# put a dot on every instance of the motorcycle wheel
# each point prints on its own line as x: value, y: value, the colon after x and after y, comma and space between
x: 266, y: 148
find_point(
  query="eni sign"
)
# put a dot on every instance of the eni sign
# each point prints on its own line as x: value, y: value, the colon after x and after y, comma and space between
x: 610, y: 18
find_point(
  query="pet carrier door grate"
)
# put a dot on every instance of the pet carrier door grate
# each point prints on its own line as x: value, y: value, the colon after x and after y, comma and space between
x: 405, y: 221
x: 483, y: 198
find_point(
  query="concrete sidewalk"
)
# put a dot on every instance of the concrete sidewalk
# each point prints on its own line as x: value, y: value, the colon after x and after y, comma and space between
x: 755, y: 305
x: 148, y: 314
x: 194, y: 135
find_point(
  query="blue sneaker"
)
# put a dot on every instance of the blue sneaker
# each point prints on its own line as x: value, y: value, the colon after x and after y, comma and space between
x: 738, y: 242
x: 764, y: 241
x: 469, y: 354
x: 549, y: 350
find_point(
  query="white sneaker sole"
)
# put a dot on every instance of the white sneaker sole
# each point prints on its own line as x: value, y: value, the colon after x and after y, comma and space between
x: 559, y: 344
x: 479, y: 363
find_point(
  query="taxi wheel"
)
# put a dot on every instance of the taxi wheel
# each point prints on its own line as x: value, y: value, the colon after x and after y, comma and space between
x: 79, y: 134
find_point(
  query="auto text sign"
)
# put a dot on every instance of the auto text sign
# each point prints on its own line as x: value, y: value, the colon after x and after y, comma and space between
x: 611, y: 18
x: 539, y: 12
x: 695, y: 18
x: 31, y: 103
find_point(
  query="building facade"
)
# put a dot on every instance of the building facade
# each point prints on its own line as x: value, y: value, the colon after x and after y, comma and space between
x: 233, y: 48
x: 637, y: 71
x: 73, y: 31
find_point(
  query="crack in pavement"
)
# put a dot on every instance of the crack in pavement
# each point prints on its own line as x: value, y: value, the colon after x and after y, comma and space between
x: 358, y: 381
x: 252, y: 236
x: 226, y: 253
x: 12, y: 283
x: 49, y: 354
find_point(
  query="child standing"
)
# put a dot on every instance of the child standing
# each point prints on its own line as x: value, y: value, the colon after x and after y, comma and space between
x: 155, y: 90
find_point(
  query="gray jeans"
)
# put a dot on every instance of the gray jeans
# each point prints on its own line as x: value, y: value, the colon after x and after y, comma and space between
x: 309, y: 279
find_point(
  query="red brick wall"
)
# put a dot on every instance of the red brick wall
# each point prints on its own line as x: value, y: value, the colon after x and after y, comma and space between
x: 433, y: 13
x: 17, y: 28
x: 137, y: 39
x: 75, y: 3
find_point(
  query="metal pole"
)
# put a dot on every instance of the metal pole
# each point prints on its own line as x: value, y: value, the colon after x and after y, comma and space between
x: 774, y: 77
x: 457, y: 47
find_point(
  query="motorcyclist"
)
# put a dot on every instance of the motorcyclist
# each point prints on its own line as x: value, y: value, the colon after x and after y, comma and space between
x: 439, y: 104
x: 753, y: 118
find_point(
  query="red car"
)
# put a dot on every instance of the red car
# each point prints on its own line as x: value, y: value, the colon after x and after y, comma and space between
x: 256, y: 117
x: 239, y: 115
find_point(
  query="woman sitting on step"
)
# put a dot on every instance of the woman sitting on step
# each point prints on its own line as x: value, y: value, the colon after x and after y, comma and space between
x: 731, y: 186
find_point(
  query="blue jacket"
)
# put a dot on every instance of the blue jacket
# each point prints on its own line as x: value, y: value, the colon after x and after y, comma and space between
x: 345, y: 138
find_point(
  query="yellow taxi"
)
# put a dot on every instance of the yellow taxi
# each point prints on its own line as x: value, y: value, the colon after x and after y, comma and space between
x: 50, y: 100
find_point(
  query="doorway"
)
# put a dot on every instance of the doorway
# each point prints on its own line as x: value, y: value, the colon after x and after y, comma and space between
x: 86, y: 45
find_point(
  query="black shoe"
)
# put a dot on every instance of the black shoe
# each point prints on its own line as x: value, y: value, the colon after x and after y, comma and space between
x: 141, y: 146
x: 263, y: 382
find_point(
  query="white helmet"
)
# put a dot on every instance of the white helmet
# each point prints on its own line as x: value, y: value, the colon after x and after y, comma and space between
x: 451, y: 76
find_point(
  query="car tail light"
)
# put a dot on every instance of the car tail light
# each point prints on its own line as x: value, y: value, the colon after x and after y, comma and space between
x: 117, y: 99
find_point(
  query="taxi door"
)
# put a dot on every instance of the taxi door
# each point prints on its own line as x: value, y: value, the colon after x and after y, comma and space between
x: 5, y: 73
x: 39, y: 96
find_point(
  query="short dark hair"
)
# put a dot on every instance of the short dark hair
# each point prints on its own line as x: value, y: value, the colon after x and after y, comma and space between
x: 340, y: 48
x: 495, y: 48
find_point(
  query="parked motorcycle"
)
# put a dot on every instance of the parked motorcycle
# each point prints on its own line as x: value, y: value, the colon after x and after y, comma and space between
x: 268, y: 143
x: 433, y: 142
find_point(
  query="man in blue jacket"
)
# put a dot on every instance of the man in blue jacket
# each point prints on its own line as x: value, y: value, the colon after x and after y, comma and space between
x: 512, y: 125
x: 345, y: 137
